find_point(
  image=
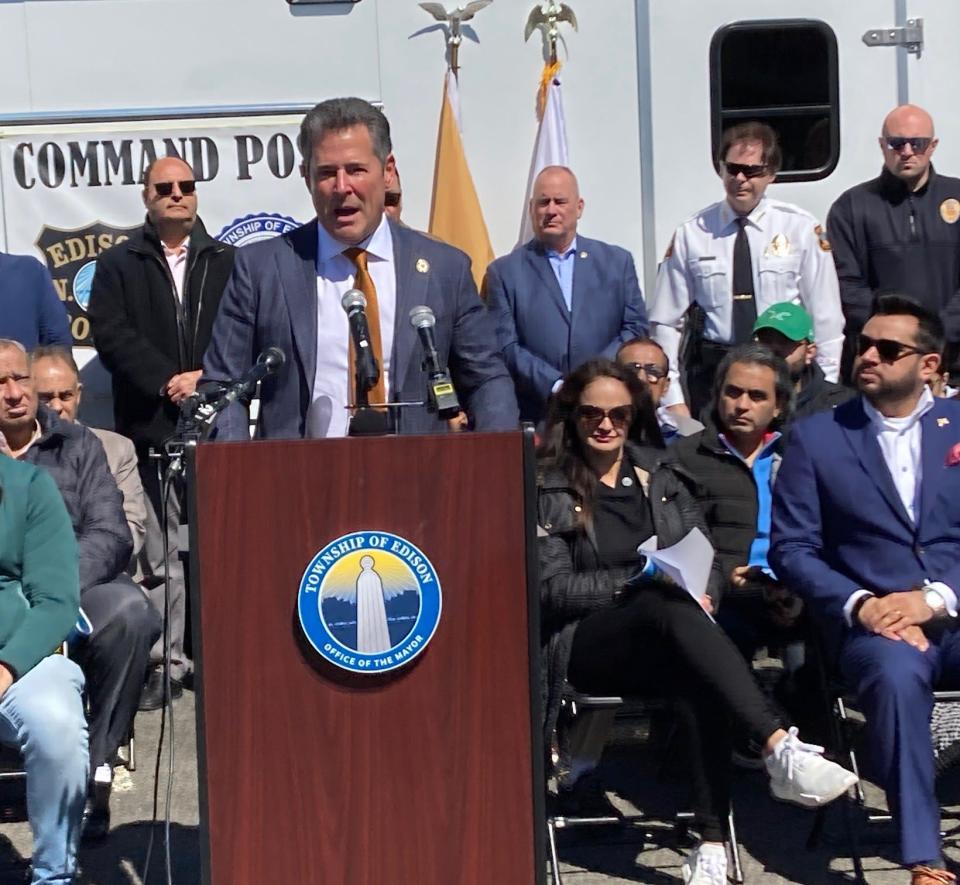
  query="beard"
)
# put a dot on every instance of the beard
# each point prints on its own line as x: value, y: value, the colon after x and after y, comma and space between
x: 887, y: 391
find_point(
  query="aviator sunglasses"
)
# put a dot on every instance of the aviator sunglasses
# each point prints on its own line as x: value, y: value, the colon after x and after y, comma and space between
x: 888, y: 350
x: 165, y: 188
x: 917, y: 145
x: 591, y: 417
x: 734, y: 169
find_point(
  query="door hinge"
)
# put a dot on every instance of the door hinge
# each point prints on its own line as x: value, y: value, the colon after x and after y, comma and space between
x: 909, y: 36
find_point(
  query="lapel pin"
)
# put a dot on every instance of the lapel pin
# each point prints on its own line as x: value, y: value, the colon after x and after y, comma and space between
x: 583, y: 254
x: 942, y: 422
x: 422, y: 265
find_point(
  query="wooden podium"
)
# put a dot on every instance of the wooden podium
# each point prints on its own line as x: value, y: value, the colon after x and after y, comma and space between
x: 429, y: 774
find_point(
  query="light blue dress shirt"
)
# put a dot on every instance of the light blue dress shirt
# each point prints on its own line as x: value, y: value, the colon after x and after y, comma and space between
x: 563, y: 270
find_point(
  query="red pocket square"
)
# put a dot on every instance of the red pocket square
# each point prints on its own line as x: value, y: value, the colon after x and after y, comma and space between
x: 953, y: 456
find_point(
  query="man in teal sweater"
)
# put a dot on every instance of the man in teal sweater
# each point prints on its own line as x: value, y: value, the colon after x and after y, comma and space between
x: 41, y: 712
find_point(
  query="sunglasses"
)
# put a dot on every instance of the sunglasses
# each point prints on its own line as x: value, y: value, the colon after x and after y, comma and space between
x: 888, y: 350
x: 917, y: 145
x: 650, y: 370
x: 734, y: 169
x: 392, y: 199
x: 591, y: 417
x: 165, y: 188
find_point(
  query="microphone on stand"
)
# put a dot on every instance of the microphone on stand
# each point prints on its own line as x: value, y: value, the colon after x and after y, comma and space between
x: 442, y: 397
x: 368, y: 372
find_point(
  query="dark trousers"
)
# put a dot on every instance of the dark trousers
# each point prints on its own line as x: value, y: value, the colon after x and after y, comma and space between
x: 661, y: 643
x: 699, y: 372
x: 114, y: 659
x: 894, y: 684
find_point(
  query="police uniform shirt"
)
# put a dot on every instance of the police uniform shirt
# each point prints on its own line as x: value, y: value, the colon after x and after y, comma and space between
x: 791, y: 261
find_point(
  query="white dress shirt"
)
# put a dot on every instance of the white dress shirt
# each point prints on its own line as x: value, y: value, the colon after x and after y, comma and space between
x: 791, y: 262
x: 900, y: 441
x: 177, y: 262
x: 332, y: 389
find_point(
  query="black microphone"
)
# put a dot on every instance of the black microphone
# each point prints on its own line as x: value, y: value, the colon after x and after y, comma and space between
x: 440, y: 390
x: 268, y: 363
x: 368, y: 372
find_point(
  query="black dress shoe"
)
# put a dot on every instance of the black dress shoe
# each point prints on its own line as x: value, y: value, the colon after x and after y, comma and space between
x: 154, y: 694
x: 96, y: 813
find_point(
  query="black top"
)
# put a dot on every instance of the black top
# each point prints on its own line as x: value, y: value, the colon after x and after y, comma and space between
x: 622, y: 519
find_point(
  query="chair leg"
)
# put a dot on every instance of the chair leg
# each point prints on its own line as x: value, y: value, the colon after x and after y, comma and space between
x: 847, y: 744
x: 554, y: 861
x: 736, y: 874
x: 132, y: 753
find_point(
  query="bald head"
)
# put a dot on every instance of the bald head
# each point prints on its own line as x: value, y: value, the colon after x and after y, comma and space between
x: 555, y: 207
x: 907, y: 141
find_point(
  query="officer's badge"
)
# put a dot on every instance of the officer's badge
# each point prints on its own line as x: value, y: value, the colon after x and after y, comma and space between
x: 821, y: 235
x: 950, y: 210
x: 779, y: 247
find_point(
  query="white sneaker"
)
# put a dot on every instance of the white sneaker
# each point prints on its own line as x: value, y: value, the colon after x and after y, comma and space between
x: 799, y: 774
x: 705, y: 865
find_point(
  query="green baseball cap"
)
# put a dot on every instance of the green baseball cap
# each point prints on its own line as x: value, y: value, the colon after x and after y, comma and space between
x: 789, y: 319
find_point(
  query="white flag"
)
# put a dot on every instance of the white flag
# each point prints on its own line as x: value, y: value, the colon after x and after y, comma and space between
x: 550, y: 149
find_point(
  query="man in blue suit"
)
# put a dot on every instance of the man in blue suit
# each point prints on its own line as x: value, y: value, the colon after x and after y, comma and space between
x: 866, y: 527
x: 31, y: 312
x: 560, y: 299
x: 286, y: 293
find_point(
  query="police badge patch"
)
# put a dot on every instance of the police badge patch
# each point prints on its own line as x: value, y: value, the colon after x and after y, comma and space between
x: 71, y: 257
x: 950, y: 210
x: 369, y: 602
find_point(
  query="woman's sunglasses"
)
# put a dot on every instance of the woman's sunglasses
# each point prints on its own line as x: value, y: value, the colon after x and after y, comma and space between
x: 591, y: 417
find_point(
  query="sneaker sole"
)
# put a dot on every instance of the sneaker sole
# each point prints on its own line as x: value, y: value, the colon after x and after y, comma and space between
x: 815, y: 801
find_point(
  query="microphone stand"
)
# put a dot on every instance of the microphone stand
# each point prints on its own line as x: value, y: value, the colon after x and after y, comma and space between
x: 368, y: 420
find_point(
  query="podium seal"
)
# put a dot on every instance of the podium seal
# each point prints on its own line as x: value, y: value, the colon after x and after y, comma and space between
x: 369, y: 602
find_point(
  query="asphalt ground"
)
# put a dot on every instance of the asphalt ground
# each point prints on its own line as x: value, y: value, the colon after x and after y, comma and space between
x: 772, y: 836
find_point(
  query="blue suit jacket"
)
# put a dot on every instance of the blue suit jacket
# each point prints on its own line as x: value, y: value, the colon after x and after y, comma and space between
x: 839, y: 524
x: 271, y: 301
x: 541, y: 340
x: 31, y: 312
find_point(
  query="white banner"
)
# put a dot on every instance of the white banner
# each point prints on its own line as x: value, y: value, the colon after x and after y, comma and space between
x: 70, y: 192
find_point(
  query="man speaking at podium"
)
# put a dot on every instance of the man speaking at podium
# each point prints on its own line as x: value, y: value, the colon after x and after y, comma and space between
x: 286, y: 293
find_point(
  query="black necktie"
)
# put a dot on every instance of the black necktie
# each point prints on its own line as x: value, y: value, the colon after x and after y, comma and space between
x: 744, y: 304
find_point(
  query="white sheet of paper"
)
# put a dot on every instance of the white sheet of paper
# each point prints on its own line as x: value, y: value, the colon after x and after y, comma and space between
x: 687, y: 563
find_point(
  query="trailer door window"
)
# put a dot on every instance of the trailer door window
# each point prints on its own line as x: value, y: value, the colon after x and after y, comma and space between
x: 784, y: 73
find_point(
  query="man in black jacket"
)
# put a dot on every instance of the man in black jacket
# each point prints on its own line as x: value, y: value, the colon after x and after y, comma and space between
x: 125, y: 625
x: 787, y: 329
x: 900, y: 231
x: 152, y: 306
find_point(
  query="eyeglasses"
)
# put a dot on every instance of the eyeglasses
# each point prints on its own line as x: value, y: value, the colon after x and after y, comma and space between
x: 917, y: 145
x: 165, y: 188
x: 734, y: 169
x: 392, y: 198
x: 651, y: 370
x: 888, y: 350
x: 591, y: 417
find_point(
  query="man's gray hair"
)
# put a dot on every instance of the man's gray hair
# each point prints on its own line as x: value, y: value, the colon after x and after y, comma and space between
x: 337, y: 114
x: 10, y: 344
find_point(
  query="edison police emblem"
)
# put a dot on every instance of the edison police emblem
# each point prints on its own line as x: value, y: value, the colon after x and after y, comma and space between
x: 71, y: 257
x: 369, y: 602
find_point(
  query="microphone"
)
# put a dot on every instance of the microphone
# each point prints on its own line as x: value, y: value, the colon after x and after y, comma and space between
x: 368, y: 372
x: 268, y: 363
x: 440, y: 391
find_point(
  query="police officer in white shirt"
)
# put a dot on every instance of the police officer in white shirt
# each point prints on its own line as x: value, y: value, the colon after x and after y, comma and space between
x: 733, y: 260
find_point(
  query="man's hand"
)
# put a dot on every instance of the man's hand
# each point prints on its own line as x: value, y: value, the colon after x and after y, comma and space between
x: 914, y: 635
x: 741, y: 575
x: 680, y: 409
x: 890, y: 615
x: 6, y: 679
x: 458, y: 424
x: 706, y: 603
x: 179, y: 387
x: 5, y: 447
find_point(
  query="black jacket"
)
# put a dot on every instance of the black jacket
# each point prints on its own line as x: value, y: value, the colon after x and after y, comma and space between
x: 142, y: 332
x: 726, y: 491
x: 572, y: 581
x: 817, y: 394
x: 885, y: 237
x: 74, y: 457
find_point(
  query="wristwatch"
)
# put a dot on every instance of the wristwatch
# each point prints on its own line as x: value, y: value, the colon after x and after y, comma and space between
x: 935, y: 602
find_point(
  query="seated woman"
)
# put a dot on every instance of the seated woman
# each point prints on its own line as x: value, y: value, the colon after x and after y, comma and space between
x: 605, y: 484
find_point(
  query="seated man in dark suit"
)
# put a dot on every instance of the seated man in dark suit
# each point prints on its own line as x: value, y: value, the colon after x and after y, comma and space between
x: 866, y: 527
x: 560, y: 299
x: 125, y: 625
x: 286, y: 293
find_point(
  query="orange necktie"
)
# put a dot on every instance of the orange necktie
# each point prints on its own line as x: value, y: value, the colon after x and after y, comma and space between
x: 364, y: 282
